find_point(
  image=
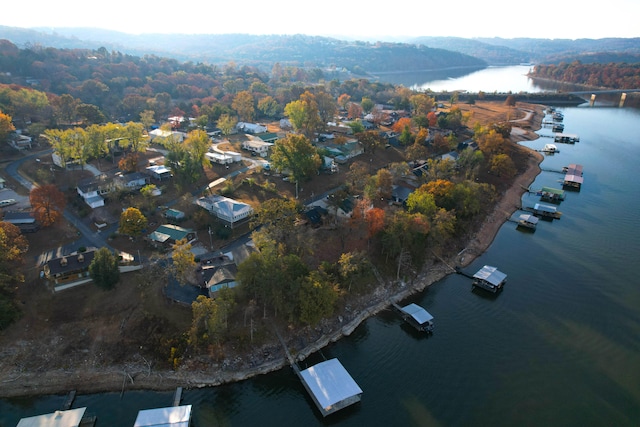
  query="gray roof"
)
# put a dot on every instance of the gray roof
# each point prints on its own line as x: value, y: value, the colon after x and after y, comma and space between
x: 418, y: 313
x: 330, y: 383
x: 70, y: 418
x: 491, y: 275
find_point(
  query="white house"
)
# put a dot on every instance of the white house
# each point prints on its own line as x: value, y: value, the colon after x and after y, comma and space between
x: 159, y: 172
x: 131, y: 181
x: 250, y: 127
x: 258, y: 146
x: 160, y: 135
x: 228, y: 210
x: 219, y: 158
x: 93, y: 189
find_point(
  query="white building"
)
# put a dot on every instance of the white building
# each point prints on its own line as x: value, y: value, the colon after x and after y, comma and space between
x: 226, y: 209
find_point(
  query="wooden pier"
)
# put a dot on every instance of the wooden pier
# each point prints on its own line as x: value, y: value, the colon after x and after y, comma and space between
x: 177, y: 397
x: 68, y: 402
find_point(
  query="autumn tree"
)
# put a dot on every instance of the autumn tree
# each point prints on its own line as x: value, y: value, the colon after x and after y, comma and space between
x: 404, y: 239
x: 343, y: 101
x: 104, y: 269
x: 296, y: 154
x: 183, y: 263
x: 318, y: 295
x: 48, y: 204
x: 13, y: 247
x: 206, y: 321
x: 370, y: 140
x: 367, y: 105
x: 502, y: 165
x: 227, y: 123
x: 268, y: 106
x: 6, y: 126
x: 358, y: 176
x: 243, y: 104
x: 132, y: 222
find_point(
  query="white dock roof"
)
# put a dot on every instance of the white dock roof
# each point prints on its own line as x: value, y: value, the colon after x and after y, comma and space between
x: 330, y: 383
x: 70, y: 418
x: 172, y: 416
x: 418, y: 313
x: 490, y: 274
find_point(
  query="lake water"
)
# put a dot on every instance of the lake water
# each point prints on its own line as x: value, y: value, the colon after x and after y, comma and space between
x: 558, y: 347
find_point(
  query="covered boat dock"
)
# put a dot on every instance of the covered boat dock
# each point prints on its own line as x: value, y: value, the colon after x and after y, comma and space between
x: 172, y: 416
x: 69, y: 418
x: 573, y: 177
x: 330, y: 386
x: 489, y: 278
x: 545, y: 211
x: 528, y: 221
x: 552, y: 194
x: 416, y: 316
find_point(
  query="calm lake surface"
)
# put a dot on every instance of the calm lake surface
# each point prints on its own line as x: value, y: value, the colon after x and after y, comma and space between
x: 558, y: 347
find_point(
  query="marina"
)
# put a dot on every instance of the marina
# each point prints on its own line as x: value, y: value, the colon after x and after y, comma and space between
x: 416, y: 316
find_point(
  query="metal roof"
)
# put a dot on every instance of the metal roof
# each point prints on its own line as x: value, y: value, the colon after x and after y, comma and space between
x: 544, y: 208
x: 529, y: 218
x: 490, y: 274
x: 70, y: 418
x: 172, y: 416
x: 418, y: 313
x: 330, y: 383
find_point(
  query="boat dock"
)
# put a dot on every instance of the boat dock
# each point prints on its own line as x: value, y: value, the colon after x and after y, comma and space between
x: 573, y: 177
x: 416, y: 316
x: 553, y: 195
x: 328, y: 383
x: 529, y: 222
x: 544, y: 211
x: 177, y: 397
x: 489, y: 278
x: 566, y: 138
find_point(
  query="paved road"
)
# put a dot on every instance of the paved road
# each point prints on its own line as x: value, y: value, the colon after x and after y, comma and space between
x: 88, y: 236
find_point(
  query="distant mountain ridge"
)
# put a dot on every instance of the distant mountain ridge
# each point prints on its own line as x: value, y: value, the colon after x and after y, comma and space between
x: 500, y: 51
x: 421, y: 53
x: 264, y: 51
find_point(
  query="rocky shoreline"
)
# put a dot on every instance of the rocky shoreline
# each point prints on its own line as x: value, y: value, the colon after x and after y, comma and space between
x: 139, y: 375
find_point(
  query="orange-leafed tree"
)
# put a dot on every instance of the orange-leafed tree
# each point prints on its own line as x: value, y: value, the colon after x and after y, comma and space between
x: 375, y: 221
x: 48, y: 204
x: 402, y: 124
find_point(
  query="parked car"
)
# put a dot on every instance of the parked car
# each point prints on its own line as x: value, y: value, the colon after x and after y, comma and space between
x: 7, y: 202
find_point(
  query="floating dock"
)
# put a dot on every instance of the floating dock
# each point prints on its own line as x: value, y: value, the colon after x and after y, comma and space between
x: 416, y: 316
x: 550, y: 194
x: 489, y: 278
x: 173, y: 416
x: 530, y: 222
x: 544, y: 211
x: 69, y: 418
x: 573, y: 177
x: 330, y: 386
x: 566, y: 138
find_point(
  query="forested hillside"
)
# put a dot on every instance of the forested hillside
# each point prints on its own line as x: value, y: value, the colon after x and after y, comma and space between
x: 612, y: 75
x: 260, y: 51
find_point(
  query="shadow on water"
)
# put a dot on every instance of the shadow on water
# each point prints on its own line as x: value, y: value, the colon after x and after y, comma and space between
x: 484, y: 294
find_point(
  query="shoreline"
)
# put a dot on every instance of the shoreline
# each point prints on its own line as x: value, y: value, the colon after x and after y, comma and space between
x: 139, y: 375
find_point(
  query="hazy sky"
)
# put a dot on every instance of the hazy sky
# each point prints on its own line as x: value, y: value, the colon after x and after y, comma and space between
x: 371, y: 19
